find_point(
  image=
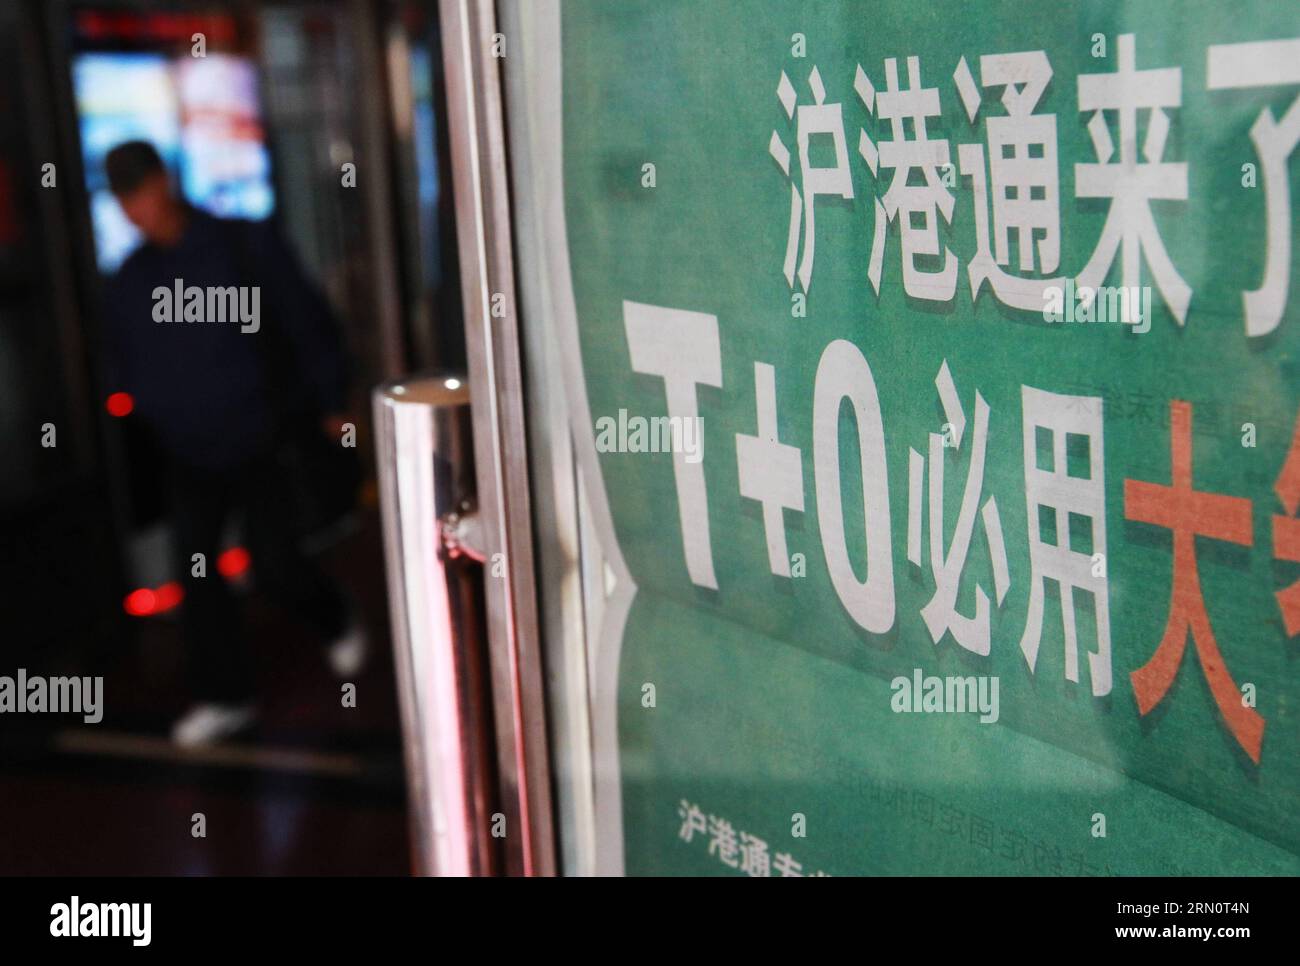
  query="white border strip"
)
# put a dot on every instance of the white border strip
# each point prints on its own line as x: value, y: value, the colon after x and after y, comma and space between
x: 546, y: 109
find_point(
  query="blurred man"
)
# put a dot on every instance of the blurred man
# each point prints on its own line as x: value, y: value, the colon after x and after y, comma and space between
x: 231, y: 354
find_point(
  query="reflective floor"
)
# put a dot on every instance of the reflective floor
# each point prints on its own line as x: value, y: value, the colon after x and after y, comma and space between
x: 315, y: 788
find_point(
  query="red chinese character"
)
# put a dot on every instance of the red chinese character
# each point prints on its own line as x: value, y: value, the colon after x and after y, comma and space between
x: 1190, y: 514
x: 1286, y: 531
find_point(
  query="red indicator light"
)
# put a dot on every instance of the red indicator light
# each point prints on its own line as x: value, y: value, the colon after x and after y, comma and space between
x: 146, y: 603
x: 120, y: 404
x: 233, y: 562
x: 139, y: 603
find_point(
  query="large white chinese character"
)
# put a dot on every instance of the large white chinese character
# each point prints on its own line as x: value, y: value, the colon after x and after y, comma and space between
x: 1262, y: 64
x: 940, y: 614
x: 816, y: 118
x: 1130, y: 230
x: 1024, y: 183
x: 1053, y: 490
x: 920, y: 234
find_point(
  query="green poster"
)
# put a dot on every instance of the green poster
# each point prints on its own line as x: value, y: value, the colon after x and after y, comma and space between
x: 941, y: 363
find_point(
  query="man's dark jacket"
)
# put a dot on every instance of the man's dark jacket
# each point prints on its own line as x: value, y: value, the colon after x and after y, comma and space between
x: 217, y: 396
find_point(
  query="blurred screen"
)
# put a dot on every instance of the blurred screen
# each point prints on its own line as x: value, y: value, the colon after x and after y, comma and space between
x: 202, y: 115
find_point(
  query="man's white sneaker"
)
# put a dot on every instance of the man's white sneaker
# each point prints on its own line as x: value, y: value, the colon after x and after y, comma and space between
x: 347, y: 653
x: 206, y: 724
